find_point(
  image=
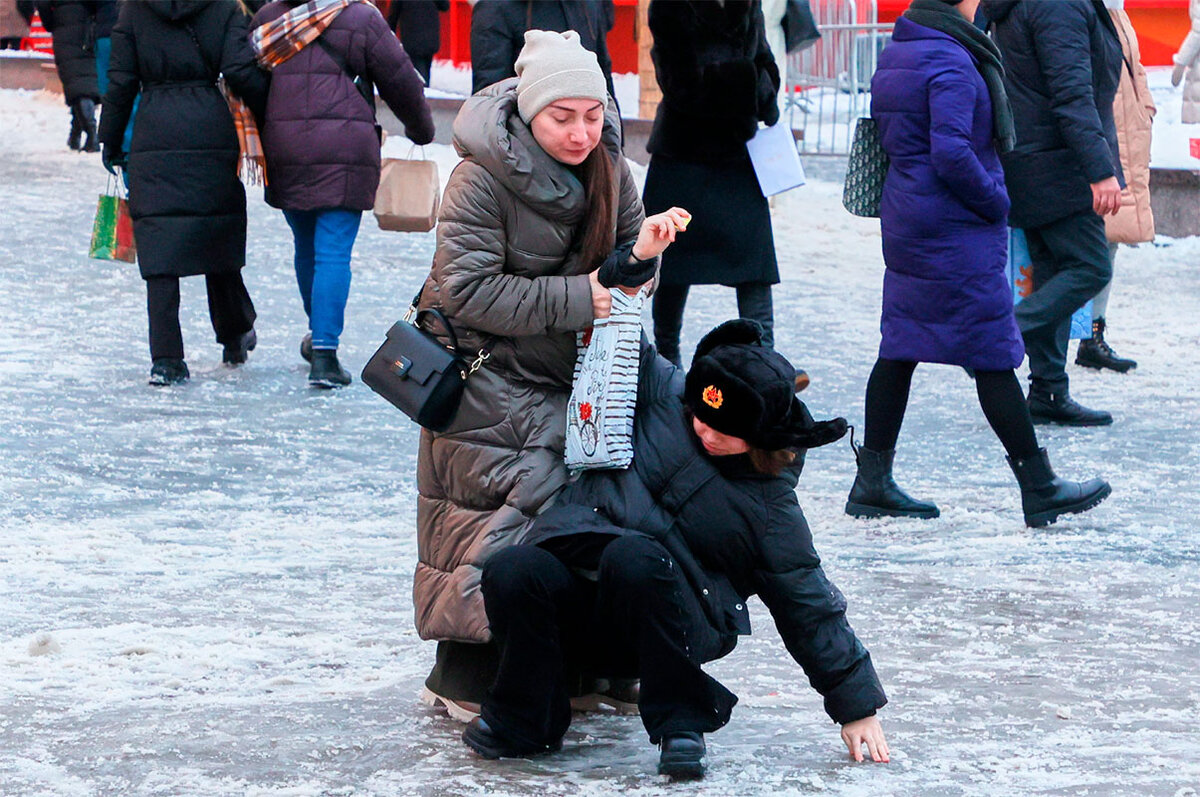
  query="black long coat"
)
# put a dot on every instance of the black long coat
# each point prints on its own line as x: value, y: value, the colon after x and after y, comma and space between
x: 498, y: 33
x: 187, y: 203
x: 1062, y: 67
x: 72, y: 25
x: 420, y: 25
x: 718, y: 80
x: 717, y: 75
x: 733, y: 531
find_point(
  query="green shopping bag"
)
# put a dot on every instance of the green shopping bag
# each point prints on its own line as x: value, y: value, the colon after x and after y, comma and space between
x: 112, y: 232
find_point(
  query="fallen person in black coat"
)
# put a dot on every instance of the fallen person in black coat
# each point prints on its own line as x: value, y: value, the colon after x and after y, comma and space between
x: 645, y: 572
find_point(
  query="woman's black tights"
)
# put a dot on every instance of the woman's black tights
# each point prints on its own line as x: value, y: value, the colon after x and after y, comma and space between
x: 1000, y: 397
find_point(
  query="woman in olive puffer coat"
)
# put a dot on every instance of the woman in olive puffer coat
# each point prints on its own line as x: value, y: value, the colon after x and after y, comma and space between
x: 514, y: 274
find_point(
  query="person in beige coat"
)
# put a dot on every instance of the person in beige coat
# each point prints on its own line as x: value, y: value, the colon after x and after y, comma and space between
x: 1133, y: 112
x: 541, y: 198
x: 1187, y: 62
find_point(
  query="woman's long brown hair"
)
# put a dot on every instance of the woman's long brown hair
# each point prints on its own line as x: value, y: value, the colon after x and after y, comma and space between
x: 598, y: 232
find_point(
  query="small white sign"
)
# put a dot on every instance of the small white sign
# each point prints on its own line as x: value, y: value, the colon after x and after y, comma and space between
x: 776, y: 160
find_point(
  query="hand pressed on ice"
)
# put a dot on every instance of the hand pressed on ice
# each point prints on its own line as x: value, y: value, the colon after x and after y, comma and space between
x: 1106, y: 197
x: 658, y: 232
x: 866, y: 731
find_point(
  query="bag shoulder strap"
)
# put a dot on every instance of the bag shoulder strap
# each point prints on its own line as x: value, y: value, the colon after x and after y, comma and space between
x: 216, y: 70
x: 361, y: 82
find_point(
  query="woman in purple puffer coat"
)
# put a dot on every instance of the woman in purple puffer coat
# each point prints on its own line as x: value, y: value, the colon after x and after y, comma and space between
x: 322, y: 150
x: 939, y: 101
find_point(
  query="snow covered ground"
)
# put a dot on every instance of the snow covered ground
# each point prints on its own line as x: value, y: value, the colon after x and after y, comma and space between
x: 218, y: 577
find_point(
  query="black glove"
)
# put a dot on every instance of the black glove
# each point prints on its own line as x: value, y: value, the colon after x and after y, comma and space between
x: 113, y: 159
x: 617, y: 270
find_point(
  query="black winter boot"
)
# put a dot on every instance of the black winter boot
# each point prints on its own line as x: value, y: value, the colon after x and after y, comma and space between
x: 480, y: 737
x: 876, y: 494
x: 236, y: 353
x: 681, y: 755
x: 1094, y: 352
x: 169, y: 371
x: 87, y: 114
x: 306, y: 347
x: 76, y: 128
x: 1044, y: 496
x: 326, y: 371
x: 1046, y: 407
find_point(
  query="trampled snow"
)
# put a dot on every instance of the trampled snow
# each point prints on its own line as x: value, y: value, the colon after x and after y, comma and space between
x: 206, y: 590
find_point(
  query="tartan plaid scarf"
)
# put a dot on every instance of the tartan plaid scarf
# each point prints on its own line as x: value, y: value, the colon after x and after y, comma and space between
x: 252, y: 163
x: 283, y: 37
x: 274, y: 43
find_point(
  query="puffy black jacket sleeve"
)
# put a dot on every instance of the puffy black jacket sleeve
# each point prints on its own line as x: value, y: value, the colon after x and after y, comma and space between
x: 493, y: 46
x: 238, y: 66
x: 124, y: 82
x: 810, y: 613
x: 657, y: 378
x: 1062, y: 38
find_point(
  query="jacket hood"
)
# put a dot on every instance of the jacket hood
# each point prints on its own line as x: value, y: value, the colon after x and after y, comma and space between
x: 489, y: 130
x: 176, y: 10
x: 998, y: 10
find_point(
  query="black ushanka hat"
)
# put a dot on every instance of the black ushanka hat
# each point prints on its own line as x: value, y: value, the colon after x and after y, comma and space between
x: 741, y: 387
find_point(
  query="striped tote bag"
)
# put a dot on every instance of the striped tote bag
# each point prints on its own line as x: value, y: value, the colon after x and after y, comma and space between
x: 604, y: 393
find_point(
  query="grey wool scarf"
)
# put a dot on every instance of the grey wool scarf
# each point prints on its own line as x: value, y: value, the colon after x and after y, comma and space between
x: 944, y: 18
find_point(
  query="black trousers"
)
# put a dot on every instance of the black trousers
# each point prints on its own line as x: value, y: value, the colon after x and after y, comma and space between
x: 999, y: 393
x: 1071, y: 264
x: 423, y: 65
x: 753, y: 301
x: 229, y: 307
x: 639, y: 619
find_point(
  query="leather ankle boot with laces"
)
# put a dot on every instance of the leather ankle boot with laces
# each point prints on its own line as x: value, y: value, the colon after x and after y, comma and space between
x: 1060, y: 408
x: 1094, y: 352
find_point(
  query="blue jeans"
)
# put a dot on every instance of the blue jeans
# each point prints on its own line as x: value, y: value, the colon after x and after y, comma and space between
x: 324, y: 239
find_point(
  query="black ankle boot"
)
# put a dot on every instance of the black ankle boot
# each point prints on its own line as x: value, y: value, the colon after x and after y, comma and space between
x: 681, y: 755
x: 326, y: 371
x: 480, y: 737
x: 169, y: 371
x: 306, y: 347
x: 1060, y: 408
x: 876, y: 494
x: 1044, y: 496
x: 76, y: 128
x: 1094, y: 352
x: 87, y: 120
x: 235, y: 353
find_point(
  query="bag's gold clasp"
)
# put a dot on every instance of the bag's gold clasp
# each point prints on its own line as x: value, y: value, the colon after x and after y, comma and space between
x: 478, y: 362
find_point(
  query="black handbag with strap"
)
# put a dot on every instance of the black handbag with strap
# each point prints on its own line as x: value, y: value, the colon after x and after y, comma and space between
x: 419, y: 375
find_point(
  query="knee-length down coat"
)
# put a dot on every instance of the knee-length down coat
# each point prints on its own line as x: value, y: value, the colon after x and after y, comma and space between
x: 508, y: 277
x: 946, y: 297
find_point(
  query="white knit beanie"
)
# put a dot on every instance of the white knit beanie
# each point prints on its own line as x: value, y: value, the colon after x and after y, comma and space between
x: 556, y: 66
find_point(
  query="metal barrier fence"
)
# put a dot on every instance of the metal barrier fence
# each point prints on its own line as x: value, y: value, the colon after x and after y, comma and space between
x: 829, y: 84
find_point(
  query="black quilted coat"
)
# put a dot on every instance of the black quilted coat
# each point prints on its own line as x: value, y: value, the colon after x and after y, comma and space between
x: 187, y: 203
x: 72, y: 24
x: 734, y: 531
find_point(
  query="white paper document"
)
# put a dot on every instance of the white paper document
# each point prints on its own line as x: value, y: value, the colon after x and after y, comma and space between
x: 776, y: 161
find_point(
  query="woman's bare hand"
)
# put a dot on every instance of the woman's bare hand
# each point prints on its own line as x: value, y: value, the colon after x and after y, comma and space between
x: 866, y: 731
x: 601, y: 298
x: 658, y: 232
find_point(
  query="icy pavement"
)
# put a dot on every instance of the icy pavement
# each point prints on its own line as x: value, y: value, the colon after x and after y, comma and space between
x: 224, y: 570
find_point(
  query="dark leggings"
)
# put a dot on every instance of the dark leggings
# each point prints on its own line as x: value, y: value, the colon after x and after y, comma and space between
x: 1000, y: 397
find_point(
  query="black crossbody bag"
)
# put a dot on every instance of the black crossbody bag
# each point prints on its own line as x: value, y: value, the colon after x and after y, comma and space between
x: 419, y: 375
